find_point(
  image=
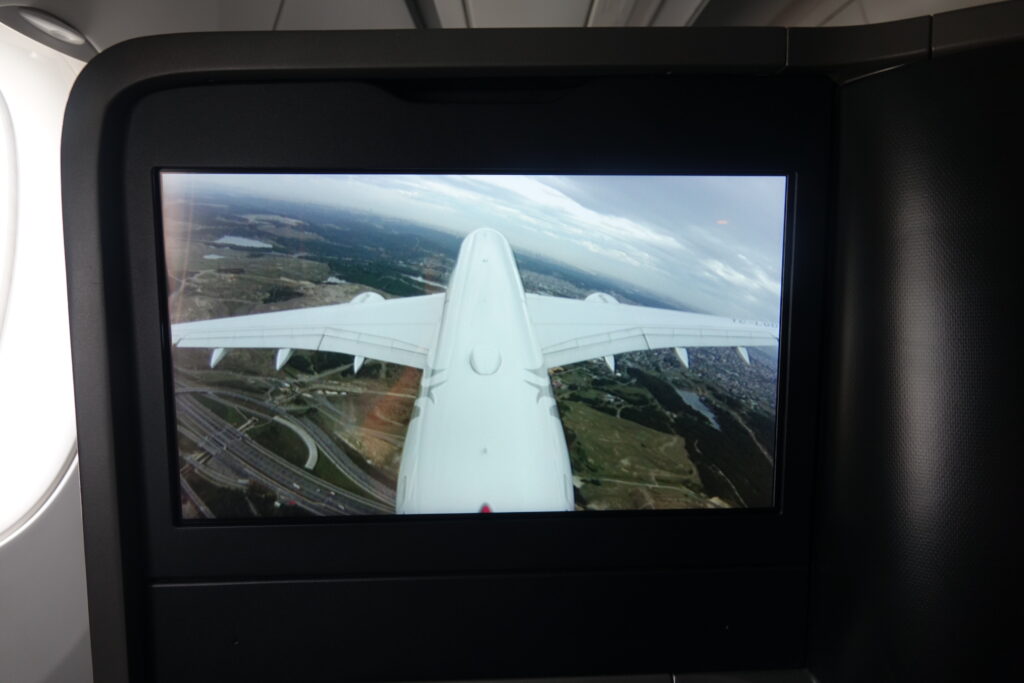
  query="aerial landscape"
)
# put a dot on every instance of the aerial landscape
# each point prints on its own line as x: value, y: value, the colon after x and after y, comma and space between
x: 323, y: 434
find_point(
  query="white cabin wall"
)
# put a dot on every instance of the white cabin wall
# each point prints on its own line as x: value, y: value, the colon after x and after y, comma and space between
x: 44, y: 628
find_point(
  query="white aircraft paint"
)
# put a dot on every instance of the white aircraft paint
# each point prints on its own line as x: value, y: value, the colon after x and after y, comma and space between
x: 485, y: 429
x: 485, y: 433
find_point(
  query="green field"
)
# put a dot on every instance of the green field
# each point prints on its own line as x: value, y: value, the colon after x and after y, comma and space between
x: 281, y: 441
x: 624, y: 465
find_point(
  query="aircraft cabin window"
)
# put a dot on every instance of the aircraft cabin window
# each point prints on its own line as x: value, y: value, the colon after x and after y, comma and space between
x: 37, y: 415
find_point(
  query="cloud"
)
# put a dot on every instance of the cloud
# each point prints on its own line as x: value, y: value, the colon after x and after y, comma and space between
x: 575, y: 217
x: 657, y: 233
x: 755, y: 279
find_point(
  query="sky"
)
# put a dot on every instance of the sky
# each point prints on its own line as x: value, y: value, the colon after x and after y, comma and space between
x: 710, y: 243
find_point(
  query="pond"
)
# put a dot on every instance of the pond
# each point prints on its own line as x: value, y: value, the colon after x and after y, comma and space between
x: 692, y: 399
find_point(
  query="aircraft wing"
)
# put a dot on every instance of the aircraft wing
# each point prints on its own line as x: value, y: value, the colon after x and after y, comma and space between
x: 574, y: 330
x: 392, y: 330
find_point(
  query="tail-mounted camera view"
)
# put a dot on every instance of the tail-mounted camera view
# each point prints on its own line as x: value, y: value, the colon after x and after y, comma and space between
x: 420, y: 344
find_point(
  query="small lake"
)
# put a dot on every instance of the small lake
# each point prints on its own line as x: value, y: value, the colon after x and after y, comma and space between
x: 692, y: 399
x: 233, y: 241
x: 417, y: 278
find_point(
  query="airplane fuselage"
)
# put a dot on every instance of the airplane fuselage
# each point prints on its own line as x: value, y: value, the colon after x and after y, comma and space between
x: 485, y: 433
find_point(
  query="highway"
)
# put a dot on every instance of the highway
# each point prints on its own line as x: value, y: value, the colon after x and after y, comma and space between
x: 328, y: 408
x: 312, y: 452
x: 343, y: 461
x: 330, y: 449
x: 224, y: 441
x: 196, y: 500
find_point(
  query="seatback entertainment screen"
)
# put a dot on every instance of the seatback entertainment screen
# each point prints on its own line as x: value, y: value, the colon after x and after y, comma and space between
x: 370, y: 344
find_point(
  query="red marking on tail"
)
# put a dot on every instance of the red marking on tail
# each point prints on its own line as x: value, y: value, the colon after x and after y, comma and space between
x: 486, y: 508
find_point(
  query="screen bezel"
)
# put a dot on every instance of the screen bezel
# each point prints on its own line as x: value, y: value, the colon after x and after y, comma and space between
x: 545, y: 120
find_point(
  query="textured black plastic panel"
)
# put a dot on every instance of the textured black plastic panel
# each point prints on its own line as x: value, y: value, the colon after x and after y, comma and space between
x: 867, y: 46
x: 918, y: 570
x: 975, y: 27
x: 476, y: 627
